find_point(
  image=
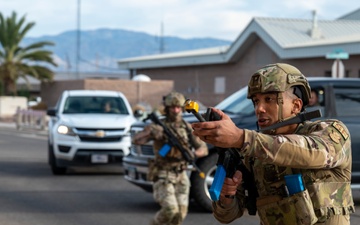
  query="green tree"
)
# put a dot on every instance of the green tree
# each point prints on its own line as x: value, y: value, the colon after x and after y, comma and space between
x: 21, y: 61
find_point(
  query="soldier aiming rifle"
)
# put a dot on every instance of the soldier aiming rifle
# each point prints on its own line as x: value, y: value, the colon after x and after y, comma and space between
x: 175, y: 147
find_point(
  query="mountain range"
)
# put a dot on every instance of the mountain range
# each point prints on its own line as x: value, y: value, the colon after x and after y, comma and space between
x: 98, y: 50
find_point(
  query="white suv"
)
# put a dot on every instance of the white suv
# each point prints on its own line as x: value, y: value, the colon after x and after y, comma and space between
x: 88, y: 128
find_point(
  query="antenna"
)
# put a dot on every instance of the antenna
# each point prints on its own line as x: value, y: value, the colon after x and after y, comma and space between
x: 78, y: 40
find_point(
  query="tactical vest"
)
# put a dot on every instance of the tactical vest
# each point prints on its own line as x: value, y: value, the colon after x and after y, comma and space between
x: 173, y: 158
x: 326, y: 193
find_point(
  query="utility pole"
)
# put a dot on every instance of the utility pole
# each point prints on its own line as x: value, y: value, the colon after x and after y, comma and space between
x: 78, y: 40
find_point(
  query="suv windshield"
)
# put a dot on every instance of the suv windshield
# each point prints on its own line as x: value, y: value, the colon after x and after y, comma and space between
x: 237, y: 103
x: 94, y: 104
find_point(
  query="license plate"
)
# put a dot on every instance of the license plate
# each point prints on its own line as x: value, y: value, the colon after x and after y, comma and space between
x: 97, y: 158
x: 132, y: 172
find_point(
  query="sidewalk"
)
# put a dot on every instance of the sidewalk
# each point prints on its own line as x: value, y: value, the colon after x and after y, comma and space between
x: 8, y: 124
x: 12, y: 126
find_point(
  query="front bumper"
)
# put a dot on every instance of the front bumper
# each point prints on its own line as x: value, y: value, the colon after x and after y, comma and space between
x: 136, y: 170
x: 71, y: 151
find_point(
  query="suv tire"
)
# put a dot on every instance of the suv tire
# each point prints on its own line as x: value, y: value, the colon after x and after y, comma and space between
x: 200, y: 187
x: 52, y: 161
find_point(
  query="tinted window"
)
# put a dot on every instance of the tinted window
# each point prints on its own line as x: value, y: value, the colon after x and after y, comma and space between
x: 347, y: 101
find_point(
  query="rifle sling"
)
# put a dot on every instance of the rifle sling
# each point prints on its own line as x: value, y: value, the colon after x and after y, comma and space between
x: 301, y: 117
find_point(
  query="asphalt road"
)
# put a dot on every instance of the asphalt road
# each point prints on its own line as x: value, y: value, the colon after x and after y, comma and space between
x: 31, y: 195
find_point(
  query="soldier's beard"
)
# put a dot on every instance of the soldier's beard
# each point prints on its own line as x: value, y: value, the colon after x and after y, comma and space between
x: 174, y: 117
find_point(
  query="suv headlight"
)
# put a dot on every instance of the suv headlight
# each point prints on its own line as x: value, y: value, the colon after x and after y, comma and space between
x: 66, y: 130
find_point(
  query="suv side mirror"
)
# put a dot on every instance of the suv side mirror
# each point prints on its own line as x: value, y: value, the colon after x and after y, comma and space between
x: 51, y: 112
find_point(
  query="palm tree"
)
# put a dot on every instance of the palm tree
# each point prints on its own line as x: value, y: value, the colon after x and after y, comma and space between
x: 21, y: 61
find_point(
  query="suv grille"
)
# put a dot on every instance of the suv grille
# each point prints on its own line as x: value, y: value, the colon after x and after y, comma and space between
x: 145, y: 150
x: 105, y: 139
x: 100, y: 135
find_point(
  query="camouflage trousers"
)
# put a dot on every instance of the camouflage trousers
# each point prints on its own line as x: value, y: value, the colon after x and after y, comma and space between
x: 171, y: 191
x: 337, y: 219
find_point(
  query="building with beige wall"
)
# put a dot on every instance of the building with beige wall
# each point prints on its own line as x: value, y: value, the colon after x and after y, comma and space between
x: 210, y: 75
x: 135, y: 91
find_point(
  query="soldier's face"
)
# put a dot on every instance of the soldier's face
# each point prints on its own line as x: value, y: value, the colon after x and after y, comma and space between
x: 175, y: 110
x: 267, y: 110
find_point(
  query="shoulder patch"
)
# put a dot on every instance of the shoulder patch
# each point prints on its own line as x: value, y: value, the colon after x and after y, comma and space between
x: 335, y: 137
x: 341, y: 130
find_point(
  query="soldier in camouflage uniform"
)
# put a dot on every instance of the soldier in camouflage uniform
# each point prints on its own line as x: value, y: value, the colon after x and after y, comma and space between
x: 171, y: 185
x: 319, y: 151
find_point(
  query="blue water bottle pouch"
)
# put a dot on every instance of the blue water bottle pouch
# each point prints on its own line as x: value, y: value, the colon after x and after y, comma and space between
x: 294, y: 183
x: 164, y: 150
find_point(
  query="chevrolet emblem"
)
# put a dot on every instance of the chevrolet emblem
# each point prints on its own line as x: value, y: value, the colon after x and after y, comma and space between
x: 100, y: 133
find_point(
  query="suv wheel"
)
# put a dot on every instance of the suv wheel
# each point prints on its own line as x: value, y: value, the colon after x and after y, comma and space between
x: 199, y: 186
x: 52, y: 161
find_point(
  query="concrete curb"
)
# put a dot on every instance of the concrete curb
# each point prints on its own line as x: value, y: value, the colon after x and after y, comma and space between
x: 8, y: 125
x: 12, y: 126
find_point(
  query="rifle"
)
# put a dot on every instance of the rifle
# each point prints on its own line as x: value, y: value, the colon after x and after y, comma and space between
x: 229, y: 161
x: 174, y: 142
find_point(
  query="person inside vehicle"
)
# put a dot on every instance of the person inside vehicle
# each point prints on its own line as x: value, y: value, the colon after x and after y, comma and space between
x: 171, y: 185
x: 108, y: 108
x: 318, y: 152
x: 314, y: 99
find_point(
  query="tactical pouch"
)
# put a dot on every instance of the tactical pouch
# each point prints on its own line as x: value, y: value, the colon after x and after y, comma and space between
x: 296, y: 210
x: 331, y: 198
x: 152, y: 172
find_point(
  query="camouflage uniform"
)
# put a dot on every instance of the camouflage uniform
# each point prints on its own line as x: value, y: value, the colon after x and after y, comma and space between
x: 171, y: 183
x: 321, y: 152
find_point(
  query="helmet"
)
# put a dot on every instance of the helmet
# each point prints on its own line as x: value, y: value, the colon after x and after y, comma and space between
x: 174, y: 99
x: 279, y: 77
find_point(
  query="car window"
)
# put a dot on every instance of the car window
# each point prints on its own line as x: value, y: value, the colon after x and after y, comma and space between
x: 347, y: 101
x: 318, y: 102
x: 95, y: 104
x: 237, y: 103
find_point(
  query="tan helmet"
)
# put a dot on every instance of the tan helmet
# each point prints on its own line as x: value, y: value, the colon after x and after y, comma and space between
x: 279, y: 77
x: 174, y: 99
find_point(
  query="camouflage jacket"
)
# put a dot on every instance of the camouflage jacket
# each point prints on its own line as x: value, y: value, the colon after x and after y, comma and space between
x: 320, y: 151
x: 182, y: 130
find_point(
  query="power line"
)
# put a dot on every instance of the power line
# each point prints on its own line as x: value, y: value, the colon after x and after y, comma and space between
x: 95, y: 65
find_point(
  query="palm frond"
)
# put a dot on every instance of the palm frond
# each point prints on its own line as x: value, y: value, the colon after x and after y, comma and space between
x: 22, y: 62
x: 39, y: 45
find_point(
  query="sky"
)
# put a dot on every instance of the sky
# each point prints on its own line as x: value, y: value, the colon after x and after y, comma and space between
x: 222, y: 19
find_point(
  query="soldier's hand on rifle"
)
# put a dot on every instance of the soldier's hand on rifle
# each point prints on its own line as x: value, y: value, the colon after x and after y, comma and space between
x: 201, y: 152
x: 221, y: 133
x: 229, y: 188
